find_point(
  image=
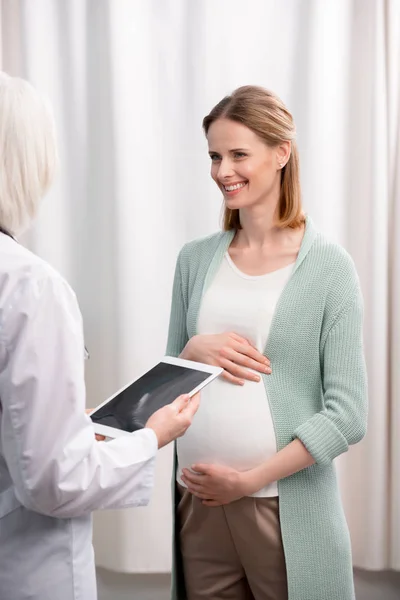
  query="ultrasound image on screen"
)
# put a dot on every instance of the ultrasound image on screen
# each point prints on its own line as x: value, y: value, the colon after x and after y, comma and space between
x: 132, y: 407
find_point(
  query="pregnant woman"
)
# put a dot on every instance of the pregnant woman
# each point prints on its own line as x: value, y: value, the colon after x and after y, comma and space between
x: 258, y: 511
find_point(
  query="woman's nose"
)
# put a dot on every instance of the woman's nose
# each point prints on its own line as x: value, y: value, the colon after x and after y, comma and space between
x: 225, y: 169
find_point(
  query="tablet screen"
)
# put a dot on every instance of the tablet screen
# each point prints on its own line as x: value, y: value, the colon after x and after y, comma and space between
x: 132, y: 407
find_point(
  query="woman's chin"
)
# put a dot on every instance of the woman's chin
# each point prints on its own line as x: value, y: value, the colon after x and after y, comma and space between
x: 233, y: 204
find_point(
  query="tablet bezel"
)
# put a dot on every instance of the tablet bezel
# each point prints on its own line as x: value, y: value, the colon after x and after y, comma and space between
x: 113, y: 432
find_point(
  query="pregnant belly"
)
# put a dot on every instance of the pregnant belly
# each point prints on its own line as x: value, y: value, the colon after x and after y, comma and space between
x: 233, y: 427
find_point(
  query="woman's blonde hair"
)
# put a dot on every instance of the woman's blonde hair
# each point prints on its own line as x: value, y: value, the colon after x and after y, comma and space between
x: 264, y: 113
x: 28, y: 154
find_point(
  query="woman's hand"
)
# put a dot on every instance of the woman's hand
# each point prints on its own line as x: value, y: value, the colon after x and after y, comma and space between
x: 230, y: 351
x: 216, y: 485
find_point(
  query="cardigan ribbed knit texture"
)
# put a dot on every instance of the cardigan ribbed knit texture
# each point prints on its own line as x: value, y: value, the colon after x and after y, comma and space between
x: 317, y: 392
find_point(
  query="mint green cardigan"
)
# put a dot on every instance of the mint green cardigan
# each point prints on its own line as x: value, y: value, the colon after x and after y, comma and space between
x: 317, y: 393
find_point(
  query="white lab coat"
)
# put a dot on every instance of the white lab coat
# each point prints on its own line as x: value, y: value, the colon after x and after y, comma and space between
x: 53, y: 473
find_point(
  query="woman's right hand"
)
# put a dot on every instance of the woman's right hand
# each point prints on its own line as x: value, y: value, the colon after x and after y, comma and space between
x: 172, y: 421
x: 230, y: 351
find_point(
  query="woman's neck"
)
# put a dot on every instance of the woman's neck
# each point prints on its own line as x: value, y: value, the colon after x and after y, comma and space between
x: 258, y: 226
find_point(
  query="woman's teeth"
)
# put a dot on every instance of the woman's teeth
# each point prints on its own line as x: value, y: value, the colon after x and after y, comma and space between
x: 237, y: 186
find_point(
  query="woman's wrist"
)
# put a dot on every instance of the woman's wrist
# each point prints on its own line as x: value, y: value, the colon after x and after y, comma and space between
x: 187, y: 351
x: 252, y: 481
x: 291, y: 459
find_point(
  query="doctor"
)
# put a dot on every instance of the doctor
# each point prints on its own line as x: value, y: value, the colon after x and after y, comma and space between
x: 53, y: 473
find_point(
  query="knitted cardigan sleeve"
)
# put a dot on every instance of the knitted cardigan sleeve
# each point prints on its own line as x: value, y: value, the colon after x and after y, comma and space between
x: 177, y: 332
x: 343, y: 420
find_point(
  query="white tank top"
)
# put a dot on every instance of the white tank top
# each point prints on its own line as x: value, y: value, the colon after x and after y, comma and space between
x: 233, y: 425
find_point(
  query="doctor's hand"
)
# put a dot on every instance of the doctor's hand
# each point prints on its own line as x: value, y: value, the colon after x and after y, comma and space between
x: 171, y: 421
x: 230, y: 351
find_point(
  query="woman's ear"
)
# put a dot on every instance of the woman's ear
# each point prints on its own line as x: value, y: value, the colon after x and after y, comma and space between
x: 283, y: 154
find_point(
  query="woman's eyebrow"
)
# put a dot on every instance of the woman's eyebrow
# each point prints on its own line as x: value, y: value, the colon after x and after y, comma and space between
x: 233, y: 150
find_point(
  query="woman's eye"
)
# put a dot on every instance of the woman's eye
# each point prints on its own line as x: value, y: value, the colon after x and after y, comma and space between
x: 240, y: 154
x: 215, y: 157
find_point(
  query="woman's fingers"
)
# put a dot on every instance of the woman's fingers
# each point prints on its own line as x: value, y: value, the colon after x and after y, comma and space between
x: 197, y: 490
x: 243, y: 359
x: 245, y: 347
x: 240, y: 373
x: 193, y: 479
x: 232, y: 379
x: 239, y: 338
x: 231, y: 366
x: 253, y: 354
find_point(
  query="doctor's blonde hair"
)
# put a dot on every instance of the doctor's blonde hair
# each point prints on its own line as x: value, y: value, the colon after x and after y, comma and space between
x: 28, y: 155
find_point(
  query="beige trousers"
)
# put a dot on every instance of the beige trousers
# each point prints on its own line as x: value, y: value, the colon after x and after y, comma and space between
x: 231, y: 552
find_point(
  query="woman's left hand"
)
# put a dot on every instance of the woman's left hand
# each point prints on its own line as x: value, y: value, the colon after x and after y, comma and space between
x: 215, y: 485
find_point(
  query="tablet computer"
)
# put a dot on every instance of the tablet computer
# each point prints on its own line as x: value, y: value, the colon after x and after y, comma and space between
x: 130, y: 408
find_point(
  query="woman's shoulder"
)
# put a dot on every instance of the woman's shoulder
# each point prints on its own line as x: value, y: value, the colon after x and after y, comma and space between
x: 333, y: 270
x: 332, y: 258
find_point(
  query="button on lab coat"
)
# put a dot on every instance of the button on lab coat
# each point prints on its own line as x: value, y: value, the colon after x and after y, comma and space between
x: 53, y: 473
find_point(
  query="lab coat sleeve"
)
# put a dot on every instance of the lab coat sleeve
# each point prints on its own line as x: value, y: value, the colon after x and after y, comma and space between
x: 57, y: 467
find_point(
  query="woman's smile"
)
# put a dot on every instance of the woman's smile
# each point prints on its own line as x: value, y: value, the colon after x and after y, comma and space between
x: 233, y: 189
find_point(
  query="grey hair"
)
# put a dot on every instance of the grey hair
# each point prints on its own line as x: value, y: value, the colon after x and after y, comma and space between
x: 28, y: 155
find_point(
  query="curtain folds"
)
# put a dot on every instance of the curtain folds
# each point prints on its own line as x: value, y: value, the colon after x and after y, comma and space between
x: 130, y: 83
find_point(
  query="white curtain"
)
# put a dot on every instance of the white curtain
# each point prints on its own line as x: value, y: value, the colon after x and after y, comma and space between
x: 130, y: 82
